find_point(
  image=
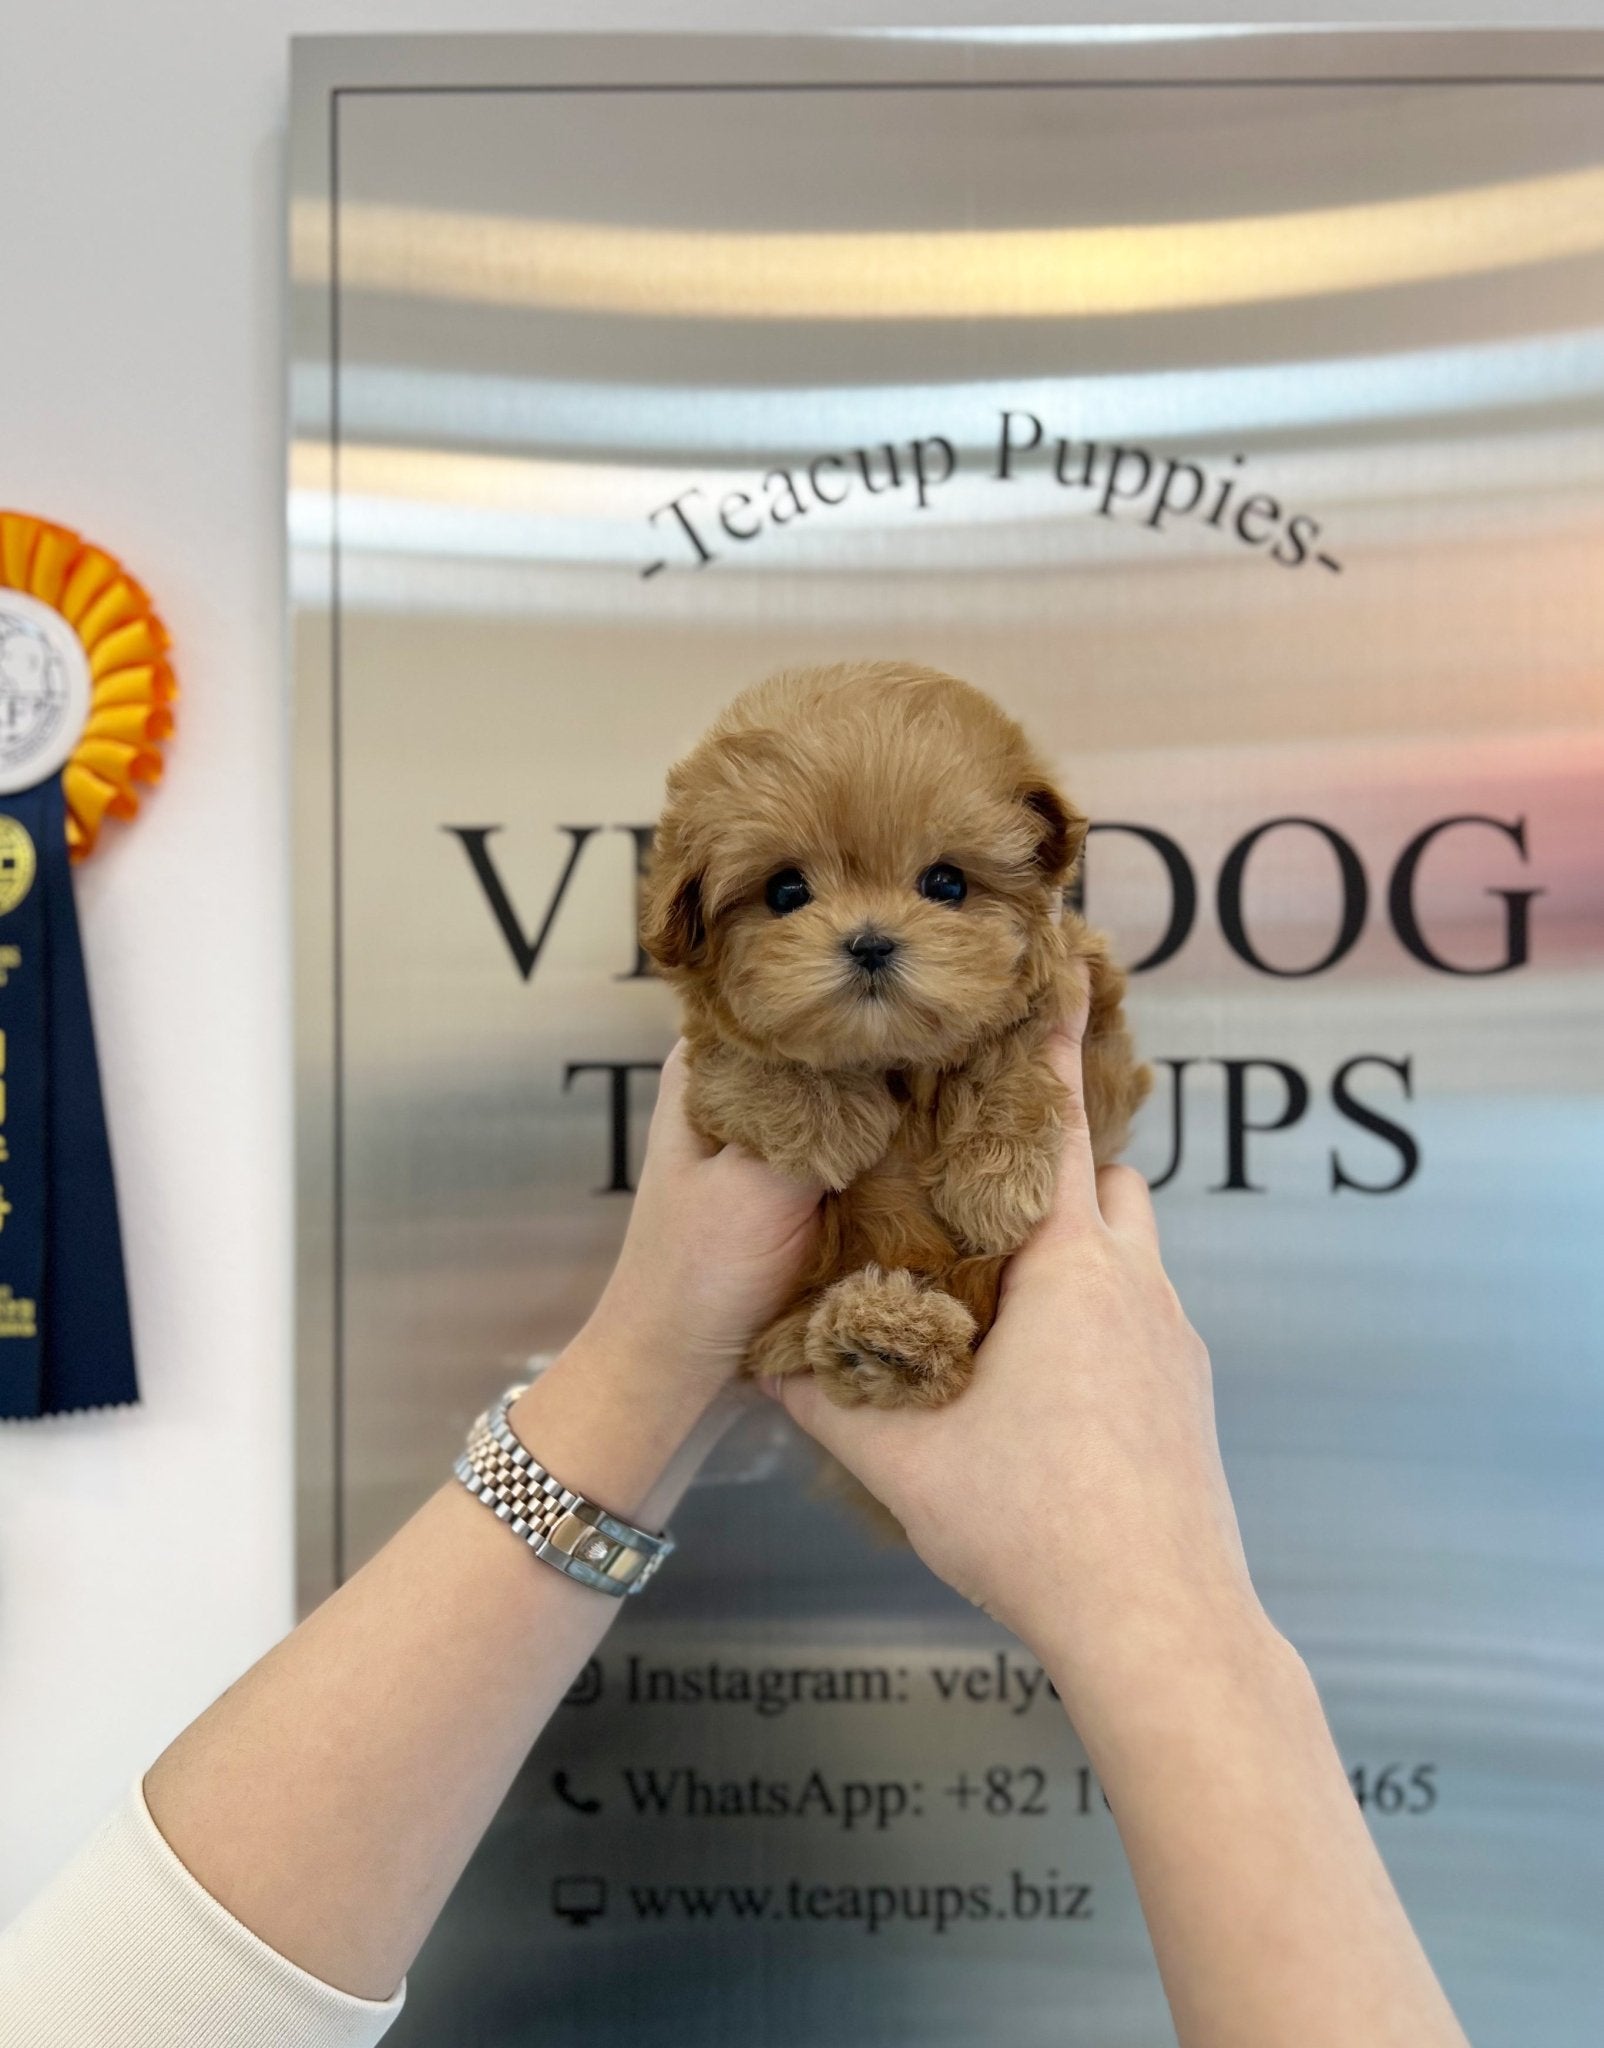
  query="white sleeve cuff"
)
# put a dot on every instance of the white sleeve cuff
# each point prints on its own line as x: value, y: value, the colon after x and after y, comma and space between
x: 125, y: 1946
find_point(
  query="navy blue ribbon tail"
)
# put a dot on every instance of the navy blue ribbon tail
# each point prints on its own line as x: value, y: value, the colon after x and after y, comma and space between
x: 65, y: 1337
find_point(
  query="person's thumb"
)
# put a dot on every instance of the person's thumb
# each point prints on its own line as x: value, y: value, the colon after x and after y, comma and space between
x: 843, y: 1432
x: 1075, y: 1191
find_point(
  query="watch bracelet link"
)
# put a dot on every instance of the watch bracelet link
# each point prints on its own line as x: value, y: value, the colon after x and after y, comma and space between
x: 575, y: 1534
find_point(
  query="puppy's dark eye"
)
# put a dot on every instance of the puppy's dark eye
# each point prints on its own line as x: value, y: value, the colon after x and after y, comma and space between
x: 786, y: 891
x: 943, y: 884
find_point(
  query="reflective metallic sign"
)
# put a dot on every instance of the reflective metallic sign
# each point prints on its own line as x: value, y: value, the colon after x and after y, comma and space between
x: 1229, y: 405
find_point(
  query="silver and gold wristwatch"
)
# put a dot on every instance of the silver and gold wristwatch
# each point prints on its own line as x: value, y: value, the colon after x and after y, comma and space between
x: 569, y: 1531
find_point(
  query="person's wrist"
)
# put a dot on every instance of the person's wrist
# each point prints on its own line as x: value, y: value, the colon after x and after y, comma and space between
x: 1111, y: 1670
x: 1189, y: 1703
x: 630, y: 1329
x: 614, y: 1419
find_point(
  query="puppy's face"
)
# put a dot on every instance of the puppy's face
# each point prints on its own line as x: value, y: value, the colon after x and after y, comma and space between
x: 860, y: 880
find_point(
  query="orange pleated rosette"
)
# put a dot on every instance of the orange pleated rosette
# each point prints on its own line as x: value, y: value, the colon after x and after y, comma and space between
x: 133, y: 687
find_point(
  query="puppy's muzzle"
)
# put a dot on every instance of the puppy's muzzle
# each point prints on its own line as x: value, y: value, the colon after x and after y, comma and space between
x: 871, y: 952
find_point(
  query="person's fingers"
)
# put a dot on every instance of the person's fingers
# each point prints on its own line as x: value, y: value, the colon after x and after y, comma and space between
x: 672, y: 1136
x: 1126, y: 1203
x: 801, y: 1396
x: 1075, y: 1194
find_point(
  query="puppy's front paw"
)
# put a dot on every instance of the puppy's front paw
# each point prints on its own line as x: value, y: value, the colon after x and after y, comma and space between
x: 812, y: 1126
x: 829, y: 1129
x: 991, y: 1198
x: 884, y: 1340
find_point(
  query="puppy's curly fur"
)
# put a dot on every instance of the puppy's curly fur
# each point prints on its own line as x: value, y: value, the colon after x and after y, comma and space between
x: 857, y: 1015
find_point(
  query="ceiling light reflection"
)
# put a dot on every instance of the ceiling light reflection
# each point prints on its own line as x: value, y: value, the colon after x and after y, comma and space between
x: 382, y: 401
x: 998, y: 273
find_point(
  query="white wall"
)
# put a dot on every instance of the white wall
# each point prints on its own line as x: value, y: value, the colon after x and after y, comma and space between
x: 145, y: 1554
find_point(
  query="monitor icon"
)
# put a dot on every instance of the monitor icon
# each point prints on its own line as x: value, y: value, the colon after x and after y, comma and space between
x: 579, y: 1900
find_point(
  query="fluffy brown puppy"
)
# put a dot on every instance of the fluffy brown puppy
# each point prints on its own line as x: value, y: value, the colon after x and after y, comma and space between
x: 857, y: 888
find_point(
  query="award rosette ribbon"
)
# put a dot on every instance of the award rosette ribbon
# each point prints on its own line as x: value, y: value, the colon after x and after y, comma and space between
x: 85, y: 697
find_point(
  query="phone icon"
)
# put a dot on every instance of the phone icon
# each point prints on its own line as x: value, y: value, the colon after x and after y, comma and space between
x: 587, y: 1687
x: 560, y: 1785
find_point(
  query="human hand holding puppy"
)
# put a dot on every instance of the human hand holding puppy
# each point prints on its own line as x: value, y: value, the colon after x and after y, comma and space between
x: 715, y: 1243
x: 1075, y: 1491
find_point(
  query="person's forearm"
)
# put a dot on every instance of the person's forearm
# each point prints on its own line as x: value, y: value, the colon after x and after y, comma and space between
x: 332, y: 1796
x: 1271, y: 1914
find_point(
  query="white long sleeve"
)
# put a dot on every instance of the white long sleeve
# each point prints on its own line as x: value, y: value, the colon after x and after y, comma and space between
x: 124, y: 1947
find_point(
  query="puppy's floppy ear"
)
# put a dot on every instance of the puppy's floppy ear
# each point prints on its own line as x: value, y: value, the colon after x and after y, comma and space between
x: 672, y: 928
x: 1061, y: 828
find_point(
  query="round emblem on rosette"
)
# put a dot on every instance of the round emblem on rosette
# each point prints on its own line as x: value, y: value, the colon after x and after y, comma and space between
x: 44, y: 691
x: 85, y: 686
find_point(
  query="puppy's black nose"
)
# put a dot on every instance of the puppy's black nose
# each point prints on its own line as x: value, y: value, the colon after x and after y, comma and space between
x: 871, y: 950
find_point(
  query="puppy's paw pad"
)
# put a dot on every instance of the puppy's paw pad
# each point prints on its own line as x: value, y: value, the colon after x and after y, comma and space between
x: 883, y: 1340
